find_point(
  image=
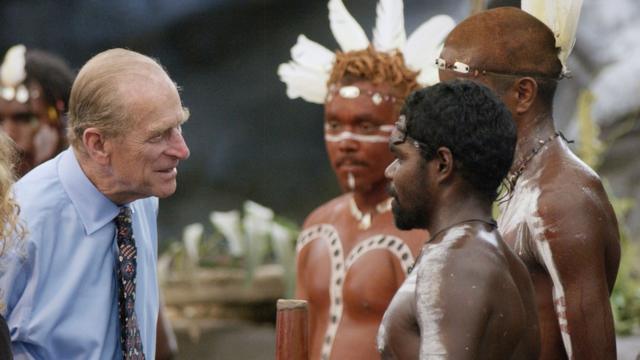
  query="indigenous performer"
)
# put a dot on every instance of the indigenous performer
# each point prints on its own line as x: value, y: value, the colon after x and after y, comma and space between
x: 34, y: 94
x: 469, y: 296
x: 84, y: 283
x: 558, y: 218
x: 350, y: 257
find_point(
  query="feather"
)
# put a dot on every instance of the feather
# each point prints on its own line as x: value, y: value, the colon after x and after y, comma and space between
x: 12, y: 72
x: 389, y: 34
x: 307, y: 83
x: 561, y: 16
x: 345, y: 28
x: 424, y: 45
x: 307, y: 74
x: 312, y: 55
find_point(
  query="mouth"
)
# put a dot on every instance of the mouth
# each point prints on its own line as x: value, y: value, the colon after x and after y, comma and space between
x: 350, y: 164
x: 168, y: 172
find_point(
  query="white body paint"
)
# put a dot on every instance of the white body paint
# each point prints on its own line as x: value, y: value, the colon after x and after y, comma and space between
x: 409, y: 287
x: 348, y: 135
x: 340, y: 266
x: 488, y: 237
x: 521, y: 214
x: 429, y: 306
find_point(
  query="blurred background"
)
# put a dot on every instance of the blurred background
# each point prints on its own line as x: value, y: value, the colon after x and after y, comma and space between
x: 249, y: 141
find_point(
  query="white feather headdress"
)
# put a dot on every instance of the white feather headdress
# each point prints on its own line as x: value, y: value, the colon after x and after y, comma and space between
x: 561, y: 16
x: 307, y: 73
x: 13, y: 74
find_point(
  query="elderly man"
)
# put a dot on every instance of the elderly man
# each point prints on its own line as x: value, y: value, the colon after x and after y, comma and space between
x: 558, y: 218
x: 469, y: 296
x: 350, y: 257
x: 83, y: 285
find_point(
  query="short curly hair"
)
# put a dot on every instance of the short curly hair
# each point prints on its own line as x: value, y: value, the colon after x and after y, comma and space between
x: 377, y: 67
x: 472, y: 122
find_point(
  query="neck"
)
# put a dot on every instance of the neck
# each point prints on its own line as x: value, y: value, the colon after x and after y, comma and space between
x: 462, y: 207
x: 530, y: 131
x: 367, y: 200
x: 102, y: 178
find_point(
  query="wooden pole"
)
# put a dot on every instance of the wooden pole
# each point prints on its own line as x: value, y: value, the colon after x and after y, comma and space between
x: 292, y: 330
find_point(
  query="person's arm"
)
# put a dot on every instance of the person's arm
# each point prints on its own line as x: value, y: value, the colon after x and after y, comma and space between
x: 580, y: 251
x: 166, y: 344
x: 452, y: 303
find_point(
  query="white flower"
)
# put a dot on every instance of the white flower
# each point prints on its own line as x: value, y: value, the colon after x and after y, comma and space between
x: 191, y: 237
x: 12, y: 71
x: 257, y: 220
x: 228, y: 223
x: 255, y: 210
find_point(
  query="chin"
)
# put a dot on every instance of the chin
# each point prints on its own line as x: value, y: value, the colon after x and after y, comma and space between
x: 406, y: 220
x: 164, y: 191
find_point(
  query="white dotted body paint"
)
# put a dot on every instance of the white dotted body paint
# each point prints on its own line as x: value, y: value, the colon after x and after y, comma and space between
x: 520, y: 214
x: 348, y: 135
x: 429, y: 306
x: 340, y: 267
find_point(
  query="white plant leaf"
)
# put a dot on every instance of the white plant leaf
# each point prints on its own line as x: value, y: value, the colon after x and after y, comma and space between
x: 191, y: 237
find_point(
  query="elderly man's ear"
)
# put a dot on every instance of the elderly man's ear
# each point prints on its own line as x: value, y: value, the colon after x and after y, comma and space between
x: 97, y: 146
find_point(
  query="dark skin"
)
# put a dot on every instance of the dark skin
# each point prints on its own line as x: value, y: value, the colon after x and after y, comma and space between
x: 372, y: 280
x: 38, y: 138
x: 469, y: 296
x: 559, y: 219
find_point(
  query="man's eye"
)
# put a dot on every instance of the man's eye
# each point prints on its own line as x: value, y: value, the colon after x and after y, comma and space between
x: 367, y: 127
x: 332, y: 126
x: 156, y: 138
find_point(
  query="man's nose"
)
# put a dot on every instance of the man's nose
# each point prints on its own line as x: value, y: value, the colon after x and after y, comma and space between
x: 178, y: 146
x: 390, y: 171
x: 348, y: 144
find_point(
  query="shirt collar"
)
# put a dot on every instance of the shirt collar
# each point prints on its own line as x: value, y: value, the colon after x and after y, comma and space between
x: 94, y: 209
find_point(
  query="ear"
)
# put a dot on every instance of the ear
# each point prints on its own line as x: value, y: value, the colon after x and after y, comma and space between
x: 526, y: 91
x: 444, y: 164
x: 97, y: 146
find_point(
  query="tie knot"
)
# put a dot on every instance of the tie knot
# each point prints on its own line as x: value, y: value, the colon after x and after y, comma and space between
x: 124, y: 217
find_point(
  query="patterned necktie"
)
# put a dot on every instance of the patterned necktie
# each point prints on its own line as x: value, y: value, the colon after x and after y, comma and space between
x: 130, y: 341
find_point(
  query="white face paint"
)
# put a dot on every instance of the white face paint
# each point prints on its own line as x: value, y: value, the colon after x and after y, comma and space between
x: 348, y: 135
x: 351, y: 182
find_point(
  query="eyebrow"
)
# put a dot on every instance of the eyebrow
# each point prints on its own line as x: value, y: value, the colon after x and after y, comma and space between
x: 185, y: 117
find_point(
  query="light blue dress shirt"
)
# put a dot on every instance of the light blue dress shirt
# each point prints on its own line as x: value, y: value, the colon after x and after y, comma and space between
x: 58, y: 288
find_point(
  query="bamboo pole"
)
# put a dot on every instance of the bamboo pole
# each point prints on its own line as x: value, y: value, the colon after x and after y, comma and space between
x: 292, y: 330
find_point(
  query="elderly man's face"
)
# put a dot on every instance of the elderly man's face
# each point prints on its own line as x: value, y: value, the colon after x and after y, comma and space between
x: 144, y: 160
x: 356, y: 136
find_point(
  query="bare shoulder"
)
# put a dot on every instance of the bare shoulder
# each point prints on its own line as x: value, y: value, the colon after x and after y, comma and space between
x: 574, y: 200
x: 327, y: 212
x: 466, y: 256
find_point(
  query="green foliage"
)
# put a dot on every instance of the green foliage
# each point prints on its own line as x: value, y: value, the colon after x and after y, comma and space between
x: 625, y: 299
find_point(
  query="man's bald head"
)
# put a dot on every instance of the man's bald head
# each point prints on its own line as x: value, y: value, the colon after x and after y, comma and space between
x: 505, y: 40
x: 105, y: 87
